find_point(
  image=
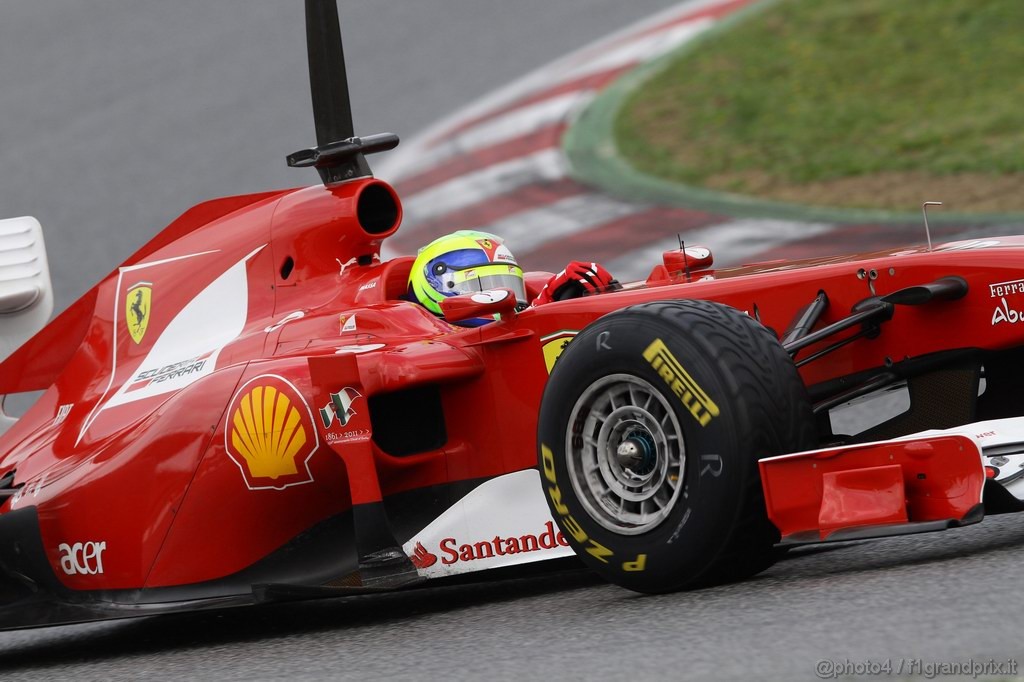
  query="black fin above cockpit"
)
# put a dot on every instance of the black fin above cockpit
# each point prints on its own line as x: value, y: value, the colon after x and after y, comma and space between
x: 339, y: 154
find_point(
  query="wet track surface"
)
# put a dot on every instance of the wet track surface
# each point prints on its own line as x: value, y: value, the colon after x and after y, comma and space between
x: 117, y: 115
x: 939, y: 597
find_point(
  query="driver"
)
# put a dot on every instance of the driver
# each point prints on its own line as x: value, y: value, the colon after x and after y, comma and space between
x: 468, y: 261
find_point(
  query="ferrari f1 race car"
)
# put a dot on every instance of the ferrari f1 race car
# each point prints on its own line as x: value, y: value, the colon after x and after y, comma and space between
x: 250, y: 408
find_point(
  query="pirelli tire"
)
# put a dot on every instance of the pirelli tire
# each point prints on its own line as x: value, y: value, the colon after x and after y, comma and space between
x: 650, y: 429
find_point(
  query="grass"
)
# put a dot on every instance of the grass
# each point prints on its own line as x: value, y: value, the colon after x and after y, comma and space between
x: 857, y: 103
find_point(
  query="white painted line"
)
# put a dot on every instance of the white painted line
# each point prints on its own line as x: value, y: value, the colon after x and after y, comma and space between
x: 516, y: 123
x: 640, y: 50
x: 392, y: 167
x: 473, y: 188
x: 733, y: 243
x: 527, y: 231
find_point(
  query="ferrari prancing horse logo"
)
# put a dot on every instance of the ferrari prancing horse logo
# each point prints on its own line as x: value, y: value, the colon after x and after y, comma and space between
x: 137, y: 306
x: 489, y: 246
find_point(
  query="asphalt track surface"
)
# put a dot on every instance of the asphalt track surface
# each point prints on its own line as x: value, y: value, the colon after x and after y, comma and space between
x: 117, y: 115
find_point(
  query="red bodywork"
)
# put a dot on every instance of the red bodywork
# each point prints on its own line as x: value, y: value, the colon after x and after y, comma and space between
x: 285, y: 293
x: 811, y: 497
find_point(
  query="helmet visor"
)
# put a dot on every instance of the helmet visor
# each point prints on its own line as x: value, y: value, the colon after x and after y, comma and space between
x: 473, y: 280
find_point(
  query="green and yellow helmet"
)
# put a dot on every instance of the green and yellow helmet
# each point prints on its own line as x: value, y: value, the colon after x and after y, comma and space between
x: 464, y: 262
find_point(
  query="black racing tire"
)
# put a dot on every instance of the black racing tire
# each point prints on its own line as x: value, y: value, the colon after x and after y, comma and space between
x: 714, y: 379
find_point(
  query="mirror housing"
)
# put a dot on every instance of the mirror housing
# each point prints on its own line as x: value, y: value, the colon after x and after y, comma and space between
x: 480, y: 304
x: 690, y: 258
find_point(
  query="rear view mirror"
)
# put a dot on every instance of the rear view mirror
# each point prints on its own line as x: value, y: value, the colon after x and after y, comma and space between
x: 480, y: 304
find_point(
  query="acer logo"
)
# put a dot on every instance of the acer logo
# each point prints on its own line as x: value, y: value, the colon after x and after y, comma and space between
x: 82, y: 558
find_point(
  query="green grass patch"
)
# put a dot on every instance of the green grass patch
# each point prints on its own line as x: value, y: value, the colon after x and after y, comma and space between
x: 856, y: 103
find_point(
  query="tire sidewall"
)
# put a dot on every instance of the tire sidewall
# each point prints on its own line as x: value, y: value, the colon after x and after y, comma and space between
x: 715, y: 471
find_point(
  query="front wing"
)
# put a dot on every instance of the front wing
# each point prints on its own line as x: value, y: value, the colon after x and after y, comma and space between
x: 927, y: 481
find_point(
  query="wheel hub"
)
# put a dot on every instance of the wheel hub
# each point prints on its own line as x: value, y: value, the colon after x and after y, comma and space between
x: 626, y: 454
x: 637, y: 454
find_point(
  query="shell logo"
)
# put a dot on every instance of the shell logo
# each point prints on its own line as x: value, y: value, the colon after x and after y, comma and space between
x: 270, y: 434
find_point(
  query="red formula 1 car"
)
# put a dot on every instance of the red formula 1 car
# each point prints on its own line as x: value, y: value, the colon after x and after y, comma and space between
x: 249, y: 409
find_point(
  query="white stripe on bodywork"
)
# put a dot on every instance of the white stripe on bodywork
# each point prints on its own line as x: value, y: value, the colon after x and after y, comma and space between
x: 194, y: 331
x: 210, y: 321
x: 509, y: 506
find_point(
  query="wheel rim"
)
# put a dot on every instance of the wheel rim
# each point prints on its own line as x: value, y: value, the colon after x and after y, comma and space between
x: 626, y: 454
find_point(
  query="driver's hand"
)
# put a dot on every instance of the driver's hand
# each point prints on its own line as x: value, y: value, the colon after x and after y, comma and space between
x: 577, y: 279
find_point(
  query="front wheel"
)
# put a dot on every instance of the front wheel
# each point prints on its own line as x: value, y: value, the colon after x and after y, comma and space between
x: 650, y: 430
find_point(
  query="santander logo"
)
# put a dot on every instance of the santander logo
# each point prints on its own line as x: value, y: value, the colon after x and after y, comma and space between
x: 451, y: 551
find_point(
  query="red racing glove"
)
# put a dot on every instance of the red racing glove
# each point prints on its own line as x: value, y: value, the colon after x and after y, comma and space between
x: 578, y: 279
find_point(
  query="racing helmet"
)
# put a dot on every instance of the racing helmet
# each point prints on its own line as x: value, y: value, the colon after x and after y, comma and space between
x: 464, y: 262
